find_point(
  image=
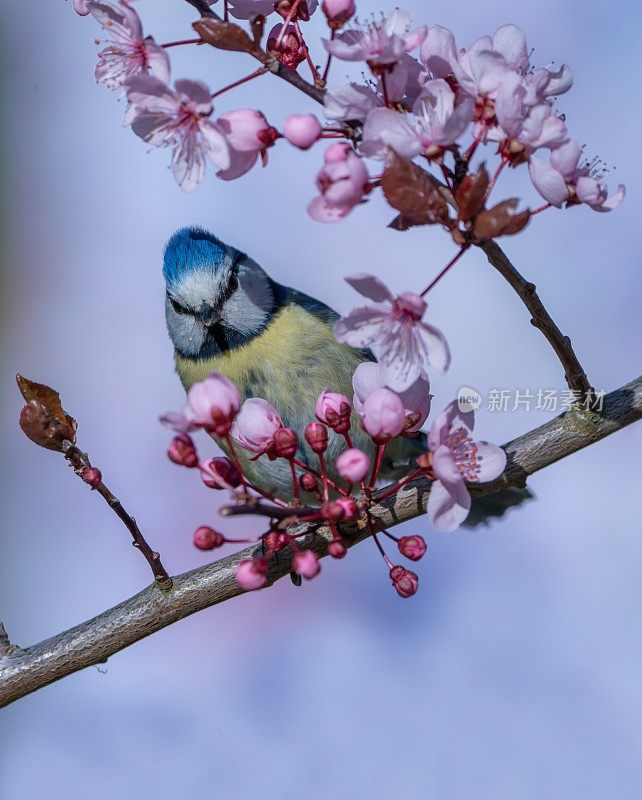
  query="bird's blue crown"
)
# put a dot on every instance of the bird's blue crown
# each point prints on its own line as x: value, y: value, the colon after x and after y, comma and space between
x: 191, y: 249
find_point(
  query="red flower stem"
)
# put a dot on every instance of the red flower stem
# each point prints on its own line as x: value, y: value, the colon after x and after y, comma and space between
x: 381, y: 449
x: 450, y: 264
x: 285, y: 23
x: 389, y: 563
x: 251, y: 76
x: 346, y: 436
x: 324, y: 76
x: 226, y: 12
x: 295, y: 483
x: 539, y: 209
x: 247, y: 483
x: 317, y: 474
x: 395, y: 487
x: 182, y: 41
x: 324, y: 477
x: 493, y: 180
x: 390, y: 536
x: 475, y: 144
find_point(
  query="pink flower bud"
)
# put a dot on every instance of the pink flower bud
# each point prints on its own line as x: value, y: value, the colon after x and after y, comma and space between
x: 251, y: 573
x: 334, y: 409
x: 220, y: 473
x: 308, y: 482
x: 316, y: 435
x: 206, y: 538
x: 302, y: 130
x: 404, y: 581
x: 214, y: 403
x: 256, y: 424
x: 342, y: 183
x: 91, y: 475
x: 246, y: 130
x: 182, y: 451
x: 337, y: 548
x: 285, y: 443
x: 412, y: 547
x: 337, y: 12
x: 384, y: 416
x: 306, y: 563
x: 353, y: 465
x: 291, y: 50
x: 349, y: 507
x: 274, y: 541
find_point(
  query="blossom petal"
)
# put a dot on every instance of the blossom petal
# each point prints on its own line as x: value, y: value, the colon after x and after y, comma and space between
x: 446, y: 511
x: 360, y: 328
x: 509, y: 40
x: 548, y: 182
x: 385, y: 128
x: 491, y: 461
x: 371, y: 287
x: 438, y: 352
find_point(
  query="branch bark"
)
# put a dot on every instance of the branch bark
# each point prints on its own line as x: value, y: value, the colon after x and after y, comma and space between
x: 92, y: 642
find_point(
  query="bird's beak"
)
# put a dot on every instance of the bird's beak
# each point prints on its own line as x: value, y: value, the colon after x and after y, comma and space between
x: 209, y: 315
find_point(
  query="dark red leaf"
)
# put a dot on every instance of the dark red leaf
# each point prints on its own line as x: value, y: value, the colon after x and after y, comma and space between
x: 43, y: 419
x: 224, y: 35
x: 408, y: 188
x: 501, y: 220
x: 471, y: 194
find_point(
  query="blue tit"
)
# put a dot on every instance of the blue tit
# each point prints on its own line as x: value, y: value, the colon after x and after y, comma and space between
x: 225, y: 314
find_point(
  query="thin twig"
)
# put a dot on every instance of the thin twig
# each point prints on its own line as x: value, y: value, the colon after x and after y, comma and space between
x: 92, y: 642
x: 575, y: 375
x: 274, y: 65
x: 80, y: 461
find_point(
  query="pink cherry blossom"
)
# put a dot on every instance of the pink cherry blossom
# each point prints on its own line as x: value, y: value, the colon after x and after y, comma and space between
x: 378, y: 43
x: 213, y: 403
x: 416, y: 398
x: 306, y: 564
x: 342, y: 181
x: 248, y: 135
x: 179, y: 118
x: 393, y: 329
x: 350, y: 101
x: 384, y: 416
x: 564, y: 179
x: 334, y: 409
x: 179, y: 421
x: 182, y: 451
x: 220, y: 473
x: 338, y: 12
x: 457, y: 459
x: 436, y: 123
x: 302, y: 130
x: 353, y: 465
x: 129, y: 53
x: 251, y: 574
x: 256, y: 424
x: 412, y: 547
x: 404, y: 580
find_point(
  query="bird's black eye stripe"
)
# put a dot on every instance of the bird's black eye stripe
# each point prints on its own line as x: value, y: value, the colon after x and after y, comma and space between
x: 233, y: 283
x: 178, y: 308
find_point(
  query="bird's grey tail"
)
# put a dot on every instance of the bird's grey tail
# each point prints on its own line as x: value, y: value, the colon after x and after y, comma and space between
x: 401, y: 456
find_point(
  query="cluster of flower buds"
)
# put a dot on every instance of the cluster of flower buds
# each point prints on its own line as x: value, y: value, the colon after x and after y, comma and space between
x: 341, y: 450
x: 421, y: 96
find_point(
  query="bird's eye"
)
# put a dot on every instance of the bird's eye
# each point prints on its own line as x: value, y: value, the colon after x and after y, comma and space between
x: 233, y: 283
x: 178, y: 308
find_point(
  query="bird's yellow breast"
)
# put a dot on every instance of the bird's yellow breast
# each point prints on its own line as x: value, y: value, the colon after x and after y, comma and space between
x: 288, y: 364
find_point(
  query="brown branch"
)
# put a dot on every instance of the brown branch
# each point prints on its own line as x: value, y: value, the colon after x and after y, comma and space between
x: 6, y: 648
x: 573, y: 371
x: 80, y: 462
x: 92, y: 642
x: 274, y: 65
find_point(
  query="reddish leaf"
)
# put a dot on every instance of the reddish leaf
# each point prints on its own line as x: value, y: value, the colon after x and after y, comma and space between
x: 471, y: 194
x: 408, y: 188
x: 224, y: 35
x: 501, y: 220
x: 43, y: 419
x: 257, y: 24
x: 401, y: 223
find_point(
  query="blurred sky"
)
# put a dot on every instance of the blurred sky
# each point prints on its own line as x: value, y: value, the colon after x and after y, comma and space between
x: 515, y: 672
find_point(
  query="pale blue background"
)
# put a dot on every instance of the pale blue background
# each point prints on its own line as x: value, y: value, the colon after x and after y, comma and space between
x: 515, y: 673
